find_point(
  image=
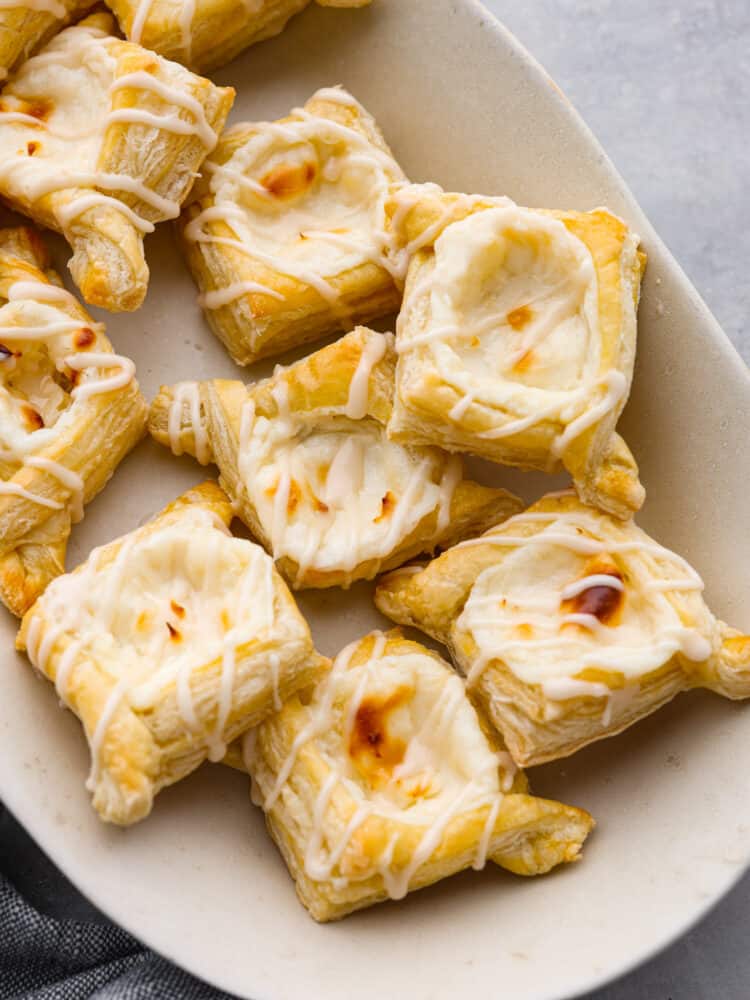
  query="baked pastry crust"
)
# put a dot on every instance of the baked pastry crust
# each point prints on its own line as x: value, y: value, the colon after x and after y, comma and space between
x: 24, y: 26
x: 70, y: 410
x: 381, y: 780
x: 206, y: 34
x: 101, y: 139
x: 286, y: 233
x: 167, y: 643
x: 569, y: 625
x: 517, y: 335
x: 306, y: 459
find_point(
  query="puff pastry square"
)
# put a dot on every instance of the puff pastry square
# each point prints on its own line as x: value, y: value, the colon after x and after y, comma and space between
x: 70, y: 410
x: 381, y: 779
x: 286, y: 233
x: 101, y: 139
x: 569, y: 625
x: 166, y: 643
x: 517, y: 335
x: 205, y: 34
x: 25, y: 25
x: 306, y: 459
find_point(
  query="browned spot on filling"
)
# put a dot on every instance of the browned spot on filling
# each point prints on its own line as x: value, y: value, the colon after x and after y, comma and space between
x: 319, y: 505
x: 601, y: 601
x: 31, y: 147
x: 289, y: 179
x: 84, y: 337
x: 177, y: 609
x: 72, y: 376
x: 520, y: 317
x: 39, y: 107
x: 525, y: 361
x: 525, y: 630
x: 387, y: 507
x: 475, y: 341
x: 174, y: 634
x: 224, y: 619
x: 374, y: 750
x: 419, y: 790
x: 142, y: 621
x: 295, y: 495
x: 31, y: 419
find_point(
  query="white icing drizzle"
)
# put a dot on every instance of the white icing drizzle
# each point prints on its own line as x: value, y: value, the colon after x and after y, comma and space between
x: 46, y: 330
x: 185, y: 21
x: 373, y: 352
x: 481, y: 790
x: 618, y: 701
x: 169, y: 123
x: 67, y: 477
x: 331, y: 500
x: 29, y: 301
x: 404, y: 198
x: 142, y: 10
x: 141, y: 80
x: 430, y: 841
x: 234, y: 638
x: 346, y: 151
x: 13, y: 489
x: 87, y: 606
x: 616, y: 387
x: 65, y: 666
x: 451, y: 478
x: 39, y: 291
x: 248, y: 743
x: 590, y: 622
x: 194, y: 233
x: 561, y: 300
x: 96, y: 740
x: 273, y: 665
x: 230, y: 293
x: 337, y: 95
x: 593, y: 580
x: 458, y: 410
x: 124, y: 373
x: 551, y: 655
x: 47, y: 182
x: 75, y: 208
x: 188, y: 394
x: 32, y: 178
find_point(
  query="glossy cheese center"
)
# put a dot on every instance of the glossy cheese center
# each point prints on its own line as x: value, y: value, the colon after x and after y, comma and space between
x: 569, y: 603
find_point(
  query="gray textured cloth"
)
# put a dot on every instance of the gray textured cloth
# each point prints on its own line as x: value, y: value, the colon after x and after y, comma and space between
x: 43, y: 958
x: 664, y: 86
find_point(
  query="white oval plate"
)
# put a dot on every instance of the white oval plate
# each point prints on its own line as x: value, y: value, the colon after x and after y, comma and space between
x: 461, y: 103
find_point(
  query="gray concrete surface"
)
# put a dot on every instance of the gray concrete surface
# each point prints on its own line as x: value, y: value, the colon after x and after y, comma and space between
x: 666, y: 87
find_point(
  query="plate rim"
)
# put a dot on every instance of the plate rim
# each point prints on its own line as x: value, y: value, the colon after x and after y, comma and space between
x: 719, y: 340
